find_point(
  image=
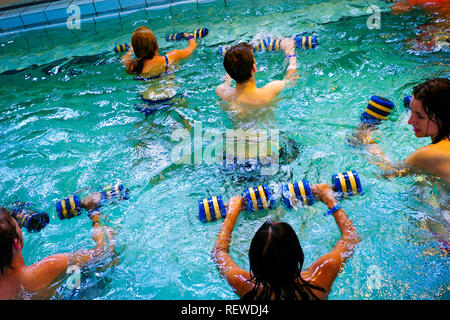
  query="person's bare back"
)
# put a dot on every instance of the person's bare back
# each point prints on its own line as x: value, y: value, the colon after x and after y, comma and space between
x: 240, y: 65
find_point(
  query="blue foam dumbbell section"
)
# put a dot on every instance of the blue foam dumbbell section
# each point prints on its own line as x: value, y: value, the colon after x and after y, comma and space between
x: 32, y: 220
x: 198, y: 33
x: 377, y: 109
x: 407, y: 102
x: 255, y: 198
x: 345, y: 183
x: 122, y: 48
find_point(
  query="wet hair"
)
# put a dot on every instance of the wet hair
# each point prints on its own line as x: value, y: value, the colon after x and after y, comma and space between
x: 276, y: 260
x: 435, y: 97
x: 8, y: 233
x: 144, y: 45
x: 238, y: 62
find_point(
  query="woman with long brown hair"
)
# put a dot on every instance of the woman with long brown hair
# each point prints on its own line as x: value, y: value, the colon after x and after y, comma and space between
x: 153, y: 68
x: 276, y: 257
x: 429, y: 118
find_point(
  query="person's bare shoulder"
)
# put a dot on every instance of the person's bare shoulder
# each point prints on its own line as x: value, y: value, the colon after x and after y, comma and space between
x: 41, y: 274
x: 225, y: 91
x: 273, y: 88
x: 434, y: 158
x: 421, y: 156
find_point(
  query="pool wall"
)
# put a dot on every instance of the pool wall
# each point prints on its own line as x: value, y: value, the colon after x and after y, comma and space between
x: 19, y: 18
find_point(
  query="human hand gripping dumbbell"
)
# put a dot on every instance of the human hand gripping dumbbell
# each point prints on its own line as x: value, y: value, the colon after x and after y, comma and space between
x: 32, y: 220
x: 72, y: 206
x: 197, y: 34
x: 323, y: 192
x: 344, y: 184
x: 275, y: 44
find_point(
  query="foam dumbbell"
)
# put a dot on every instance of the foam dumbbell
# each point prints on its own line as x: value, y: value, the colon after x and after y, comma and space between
x: 32, y: 220
x: 407, y: 102
x: 344, y: 183
x: 197, y: 34
x: 121, y: 48
x: 274, y: 44
x: 377, y: 109
x: 255, y: 199
x: 72, y: 206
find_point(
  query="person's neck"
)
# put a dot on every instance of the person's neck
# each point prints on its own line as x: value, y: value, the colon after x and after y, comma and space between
x: 433, y: 139
x: 155, y: 56
x: 17, y: 261
x: 16, y: 264
x: 246, y: 86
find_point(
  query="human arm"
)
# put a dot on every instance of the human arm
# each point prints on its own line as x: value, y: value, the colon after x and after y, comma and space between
x: 273, y: 88
x: 414, y: 164
x: 363, y: 136
x: 288, y: 46
x: 421, y: 158
x: 176, y: 55
x: 433, y: 158
x: 228, y: 268
x: 105, y: 245
x: 225, y: 90
x: 324, y: 271
x: 127, y: 60
x: 40, y: 276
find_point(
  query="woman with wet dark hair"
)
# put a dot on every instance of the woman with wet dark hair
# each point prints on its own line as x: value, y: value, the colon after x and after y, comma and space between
x: 155, y: 71
x: 433, y: 99
x: 430, y: 118
x: 273, y: 242
x: 148, y: 62
x: 276, y: 257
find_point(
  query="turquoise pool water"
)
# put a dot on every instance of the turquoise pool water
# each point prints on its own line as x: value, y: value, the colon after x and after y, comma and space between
x: 68, y: 122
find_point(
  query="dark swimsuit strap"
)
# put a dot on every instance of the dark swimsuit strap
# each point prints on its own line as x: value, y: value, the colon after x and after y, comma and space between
x: 158, y: 76
x: 167, y: 63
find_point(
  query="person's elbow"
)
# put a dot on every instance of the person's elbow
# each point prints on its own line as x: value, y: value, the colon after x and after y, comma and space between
x: 219, y: 90
x: 216, y: 255
x: 105, y: 242
x: 351, y: 239
x: 192, y: 46
x: 291, y: 75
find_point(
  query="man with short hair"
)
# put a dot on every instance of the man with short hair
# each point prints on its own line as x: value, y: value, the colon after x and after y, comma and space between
x: 250, y: 104
x: 40, y: 280
x: 240, y: 65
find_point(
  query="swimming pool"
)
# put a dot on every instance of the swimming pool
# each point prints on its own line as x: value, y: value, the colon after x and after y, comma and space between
x: 68, y: 122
